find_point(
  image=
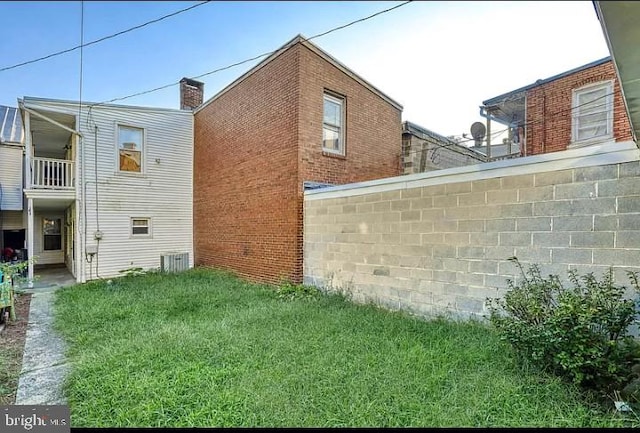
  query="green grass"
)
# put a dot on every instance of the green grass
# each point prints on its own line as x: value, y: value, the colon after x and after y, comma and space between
x: 9, y: 373
x: 204, y: 348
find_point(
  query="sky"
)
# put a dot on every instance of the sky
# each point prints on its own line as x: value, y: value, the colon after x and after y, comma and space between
x: 438, y: 59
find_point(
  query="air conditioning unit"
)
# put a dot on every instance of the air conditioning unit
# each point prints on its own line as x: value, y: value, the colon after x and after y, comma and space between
x: 174, y: 262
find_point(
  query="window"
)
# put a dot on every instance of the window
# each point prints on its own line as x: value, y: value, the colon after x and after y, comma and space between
x: 130, y: 148
x: 140, y: 226
x: 333, y: 125
x: 52, y: 235
x: 593, y: 112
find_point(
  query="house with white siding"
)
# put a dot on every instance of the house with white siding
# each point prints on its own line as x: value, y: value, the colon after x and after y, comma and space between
x: 12, y: 233
x: 100, y: 188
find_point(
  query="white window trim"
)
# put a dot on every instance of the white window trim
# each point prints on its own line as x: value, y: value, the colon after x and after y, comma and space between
x: 42, y: 235
x: 338, y: 100
x: 137, y: 236
x: 575, y: 143
x: 143, y: 154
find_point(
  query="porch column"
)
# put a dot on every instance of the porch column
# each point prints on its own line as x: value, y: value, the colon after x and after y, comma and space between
x: 28, y: 151
x: 30, y: 238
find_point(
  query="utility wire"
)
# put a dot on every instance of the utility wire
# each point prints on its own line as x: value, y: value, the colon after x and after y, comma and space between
x: 111, y: 36
x: 144, y: 92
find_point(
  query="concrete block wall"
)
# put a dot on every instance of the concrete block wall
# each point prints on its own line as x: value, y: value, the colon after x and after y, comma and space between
x: 439, y: 242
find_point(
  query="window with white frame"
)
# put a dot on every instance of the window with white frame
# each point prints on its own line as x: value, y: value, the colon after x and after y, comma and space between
x: 140, y: 226
x: 130, y: 142
x: 333, y: 124
x: 592, y: 112
x: 51, y: 234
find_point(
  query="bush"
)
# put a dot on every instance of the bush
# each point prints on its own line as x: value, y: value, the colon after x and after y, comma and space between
x: 580, y: 333
x: 289, y: 291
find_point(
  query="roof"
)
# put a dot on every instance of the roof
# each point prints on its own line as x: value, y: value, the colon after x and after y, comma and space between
x: 424, y: 133
x: 514, y: 93
x: 299, y: 39
x: 11, y: 130
x: 414, y: 128
x: 36, y: 100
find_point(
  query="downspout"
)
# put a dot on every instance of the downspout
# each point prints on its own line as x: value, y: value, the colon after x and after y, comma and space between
x: 525, y: 126
x: 544, y: 122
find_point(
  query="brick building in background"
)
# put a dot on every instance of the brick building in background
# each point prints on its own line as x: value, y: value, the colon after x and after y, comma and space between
x: 298, y: 118
x: 580, y: 107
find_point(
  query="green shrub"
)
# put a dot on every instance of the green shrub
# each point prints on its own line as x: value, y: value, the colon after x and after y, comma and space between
x: 580, y: 332
x: 289, y: 291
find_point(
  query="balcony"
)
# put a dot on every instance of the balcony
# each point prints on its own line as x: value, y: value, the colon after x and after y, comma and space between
x: 48, y: 173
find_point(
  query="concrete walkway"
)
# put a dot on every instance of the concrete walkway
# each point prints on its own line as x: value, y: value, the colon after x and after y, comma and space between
x: 43, y: 363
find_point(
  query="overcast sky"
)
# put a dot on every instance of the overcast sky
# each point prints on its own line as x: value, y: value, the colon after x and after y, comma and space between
x: 440, y: 60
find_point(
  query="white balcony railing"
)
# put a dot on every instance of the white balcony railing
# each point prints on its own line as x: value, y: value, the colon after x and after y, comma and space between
x: 52, y: 173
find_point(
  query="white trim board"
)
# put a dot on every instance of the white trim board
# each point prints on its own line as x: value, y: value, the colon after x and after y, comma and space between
x: 591, y: 156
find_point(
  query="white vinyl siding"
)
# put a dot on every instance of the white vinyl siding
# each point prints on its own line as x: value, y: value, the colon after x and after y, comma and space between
x: 333, y: 124
x: 11, y: 177
x: 12, y: 220
x: 162, y: 192
x: 592, y: 113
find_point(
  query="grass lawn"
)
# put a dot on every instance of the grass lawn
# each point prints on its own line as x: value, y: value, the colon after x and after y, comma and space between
x: 204, y: 348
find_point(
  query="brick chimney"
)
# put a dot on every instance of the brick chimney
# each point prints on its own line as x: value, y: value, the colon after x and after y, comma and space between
x: 191, y: 93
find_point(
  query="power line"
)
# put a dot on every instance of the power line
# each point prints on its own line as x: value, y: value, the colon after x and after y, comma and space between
x: 144, y: 92
x: 111, y: 36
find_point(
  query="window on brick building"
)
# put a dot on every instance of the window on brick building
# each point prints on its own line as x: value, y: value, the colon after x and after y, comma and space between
x: 130, y: 141
x: 333, y: 124
x: 592, y: 112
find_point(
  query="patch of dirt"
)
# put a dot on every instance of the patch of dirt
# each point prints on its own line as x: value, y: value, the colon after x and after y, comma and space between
x: 12, y: 339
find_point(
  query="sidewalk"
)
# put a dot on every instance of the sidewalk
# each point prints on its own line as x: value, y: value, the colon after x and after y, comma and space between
x: 43, y: 363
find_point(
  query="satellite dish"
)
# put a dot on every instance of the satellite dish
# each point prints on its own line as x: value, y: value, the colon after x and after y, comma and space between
x: 478, y: 130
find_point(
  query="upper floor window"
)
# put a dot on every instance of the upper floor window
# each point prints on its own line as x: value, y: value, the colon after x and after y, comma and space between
x: 333, y: 124
x: 592, y: 111
x: 130, y: 141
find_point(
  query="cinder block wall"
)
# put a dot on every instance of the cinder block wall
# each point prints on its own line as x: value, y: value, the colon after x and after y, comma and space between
x: 549, y: 110
x: 440, y: 241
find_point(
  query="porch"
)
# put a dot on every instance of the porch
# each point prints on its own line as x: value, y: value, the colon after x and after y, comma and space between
x: 50, y: 191
x: 49, y: 278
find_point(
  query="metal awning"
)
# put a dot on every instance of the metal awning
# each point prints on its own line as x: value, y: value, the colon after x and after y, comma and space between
x: 11, y: 129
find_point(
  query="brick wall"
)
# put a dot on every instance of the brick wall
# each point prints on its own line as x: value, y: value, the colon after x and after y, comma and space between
x: 245, y: 175
x: 191, y: 93
x: 549, y: 110
x: 373, y: 127
x: 439, y: 242
x: 257, y: 143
